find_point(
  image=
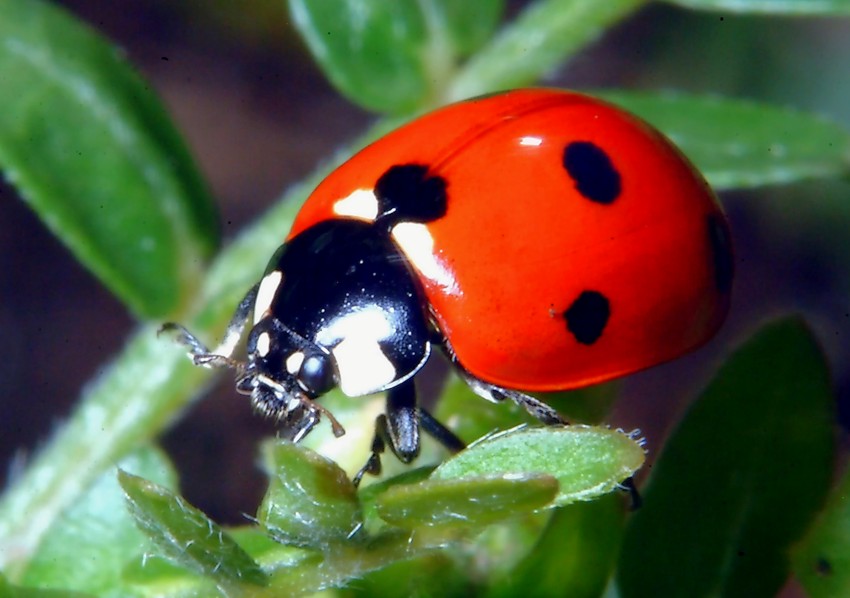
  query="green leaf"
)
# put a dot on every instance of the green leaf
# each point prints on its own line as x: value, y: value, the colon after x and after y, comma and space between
x: 435, y: 574
x: 539, y: 40
x: 392, y: 56
x: 573, y: 557
x: 87, y: 547
x: 471, y: 501
x: 91, y: 150
x: 771, y: 7
x: 586, y: 461
x: 737, y: 143
x: 7, y: 590
x: 740, y: 479
x: 187, y: 536
x: 310, y: 502
x: 468, y: 25
x: 822, y: 561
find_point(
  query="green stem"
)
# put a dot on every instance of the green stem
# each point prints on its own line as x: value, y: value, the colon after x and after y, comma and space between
x: 535, y: 43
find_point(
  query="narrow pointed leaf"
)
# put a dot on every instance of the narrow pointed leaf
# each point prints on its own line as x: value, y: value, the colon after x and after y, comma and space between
x: 187, y: 536
x: 739, y: 144
x: 740, y: 479
x: 92, y: 151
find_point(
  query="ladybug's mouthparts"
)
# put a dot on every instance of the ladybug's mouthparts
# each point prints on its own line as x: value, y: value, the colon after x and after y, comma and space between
x: 288, y: 405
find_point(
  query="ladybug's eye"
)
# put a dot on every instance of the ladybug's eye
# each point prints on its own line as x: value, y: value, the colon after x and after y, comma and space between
x: 317, y: 374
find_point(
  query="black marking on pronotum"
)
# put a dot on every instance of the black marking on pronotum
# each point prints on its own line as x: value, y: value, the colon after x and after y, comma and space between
x: 721, y: 252
x: 587, y: 316
x: 409, y: 193
x: 592, y: 171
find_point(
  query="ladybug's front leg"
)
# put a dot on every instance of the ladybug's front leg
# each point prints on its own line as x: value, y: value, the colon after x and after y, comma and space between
x: 221, y: 355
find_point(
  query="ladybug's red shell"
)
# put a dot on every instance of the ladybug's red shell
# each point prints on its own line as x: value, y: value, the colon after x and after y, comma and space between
x: 577, y: 245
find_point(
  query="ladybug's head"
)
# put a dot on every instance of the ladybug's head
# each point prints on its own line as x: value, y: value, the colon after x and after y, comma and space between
x: 284, y: 375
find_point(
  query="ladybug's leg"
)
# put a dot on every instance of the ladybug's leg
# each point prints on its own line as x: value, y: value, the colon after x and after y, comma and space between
x: 399, y: 429
x: 221, y: 355
x: 440, y: 432
x: 538, y: 409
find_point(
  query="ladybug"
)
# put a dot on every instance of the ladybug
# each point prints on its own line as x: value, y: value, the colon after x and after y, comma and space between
x: 544, y: 240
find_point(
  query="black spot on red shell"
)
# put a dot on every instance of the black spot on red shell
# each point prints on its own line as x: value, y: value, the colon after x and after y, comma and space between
x: 409, y: 193
x: 592, y: 171
x: 721, y: 252
x: 587, y: 316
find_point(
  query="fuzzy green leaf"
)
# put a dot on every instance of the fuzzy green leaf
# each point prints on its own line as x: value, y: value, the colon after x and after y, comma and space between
x: 92, y: 151
x: 187, y: 536
x: 87, y: 547
x: 822, y: 562
x: 310, y: 502
x: 771, y: 7
x: 737, y: 143
x: 469, y: 501
x: 740, y: 479
x: 390, y: 56
x: 586, y: 461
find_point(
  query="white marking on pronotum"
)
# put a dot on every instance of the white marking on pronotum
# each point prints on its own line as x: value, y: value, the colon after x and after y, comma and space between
x: 418, y: 245
x: 294, y: 361
x: 265, y: 294
x: 264, y: 344
x: 361, y: 203
x: 363, y: 366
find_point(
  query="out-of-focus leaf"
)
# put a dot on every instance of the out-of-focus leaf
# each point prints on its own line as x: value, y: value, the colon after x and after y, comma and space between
x: 435, y: 574
x: 87, y: 547
x: 740, y: 479
x: 771, y: 7
x: 738, y: 144
x: 92, y: 151
x: 187, y: 536
x: 822, y: 561
x: 310, y: 502
x: 392, y: 56
x: 586, y: 461
x: 536, y: 42
x: 574, y: 556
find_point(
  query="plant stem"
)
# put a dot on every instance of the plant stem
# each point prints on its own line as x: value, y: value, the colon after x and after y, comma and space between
x: 535, y: 43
